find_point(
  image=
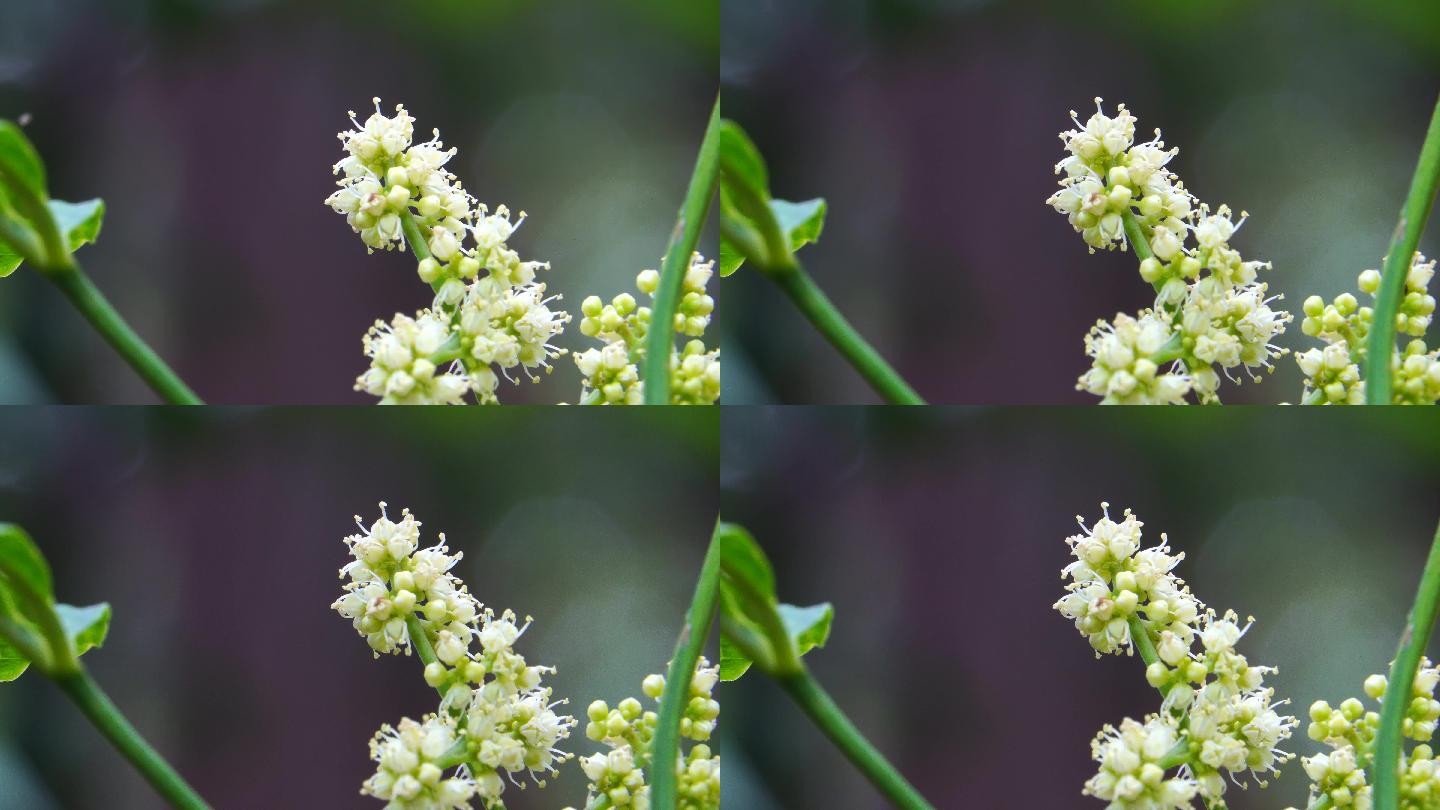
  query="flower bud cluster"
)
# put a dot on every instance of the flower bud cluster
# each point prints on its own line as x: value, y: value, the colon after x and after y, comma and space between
x: 618, y: 776
x: 1217, y: 720
x: 488, y: 311
x: 495, y: 719
x: 1210, y: 312
x: 612, y: 371
x: 1332, y: 372
x: 1343, y: 772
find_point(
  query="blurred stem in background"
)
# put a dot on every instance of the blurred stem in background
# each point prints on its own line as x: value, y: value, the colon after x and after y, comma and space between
x: 766, y: 232
x: 680, y: 674
x: 1378, y: 374
x: 827, y: 320
x: 46, y: 233
x: 760, y: 632
x: 107, y: 321
x: 37, y: 632
x: 86, y: 693
x: 660, y: 343
x: 1398, y: 689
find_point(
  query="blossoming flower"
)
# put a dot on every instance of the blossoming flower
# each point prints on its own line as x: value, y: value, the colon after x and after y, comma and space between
x: 496, y: 721
x: 1342, y: 774
x: 488, y: 312
x: 1210, y: 316
x: 618, y: 777
x: 1217, y: 720
x: 1332, y: 372
x: 612, y: 375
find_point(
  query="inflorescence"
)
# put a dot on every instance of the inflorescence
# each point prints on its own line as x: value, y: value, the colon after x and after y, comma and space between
x: 394, y: 191
x: 489, y: 316
x: 617, y: 777
x: 1343, y: 774
x: 495, y: 720
x: 1209, y: 310
x: 1332, y: 373
x: 612, y: 375
x: 1217, y: 718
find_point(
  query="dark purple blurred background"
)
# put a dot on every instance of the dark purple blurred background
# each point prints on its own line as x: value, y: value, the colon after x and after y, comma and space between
x: 938, y: 534
x: 209, y: 128
x: 930, y: 126
x: 217, y: 538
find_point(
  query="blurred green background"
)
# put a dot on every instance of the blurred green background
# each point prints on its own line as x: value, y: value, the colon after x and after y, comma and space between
x: 209, y: 128
x: 939, y: 533
x: 216, y: 537
x: 930, y: 126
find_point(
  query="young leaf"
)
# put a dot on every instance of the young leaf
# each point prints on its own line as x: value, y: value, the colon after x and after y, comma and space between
x: 741, y: 556
x: 733, y: 663
x: 809, y: 627
x: 19, y: 163
x: 12, y: 663
x: 80, y: 222
x: 730, y: 258
x: 800, y: 221
x: 22, y: 563
x: 87, y: 626
x: 741, y: 160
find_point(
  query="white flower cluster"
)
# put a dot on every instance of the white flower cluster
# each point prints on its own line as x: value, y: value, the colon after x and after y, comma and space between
x: 612, y: 375
x: 1209, y: 309
x: 1332, y: 373
x: 494, y: 718
x: 1341, y: 774
x: 617, y: 777
x: 394, y: 192
x: 1217, y: 718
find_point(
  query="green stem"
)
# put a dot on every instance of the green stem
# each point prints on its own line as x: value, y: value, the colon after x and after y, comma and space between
x: 666, y: 748
x: 1138, y: 243
x: 804, y: 689
x: 93, y: 305
x: 1403, y: 243
x: 1143, y: 645
x: 660, y: 343
x: 86, y: 694
x: 813, y: 303
x: 1386, y: 764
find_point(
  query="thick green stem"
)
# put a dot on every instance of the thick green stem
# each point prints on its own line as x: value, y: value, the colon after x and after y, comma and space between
x: 1403, y: 243
x: 813, y: 303
x: 804, y: 689
x: 86, y: 694
x: 93, y: 305
x: 660, y: 343
x: 1386, y: 764
x: 666, y: 749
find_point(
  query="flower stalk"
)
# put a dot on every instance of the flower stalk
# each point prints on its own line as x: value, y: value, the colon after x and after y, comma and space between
x: 1378, y: 379
x: 1400, y: 686
x: 698, y: 620
x: 661, y: 340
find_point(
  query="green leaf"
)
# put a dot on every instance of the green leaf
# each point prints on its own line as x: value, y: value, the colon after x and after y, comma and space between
x: 80, y: 222
x: 801, y: 221
x: 809, y: 627
x: 742, y: 557
x: 733, y: 663
x: 12, y: 663
x: 19, y: 162
x: 730, y: 258
x: 740, y: 159
x: 87, y: 626
x: 9, y: 260
x: 22, y: 563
